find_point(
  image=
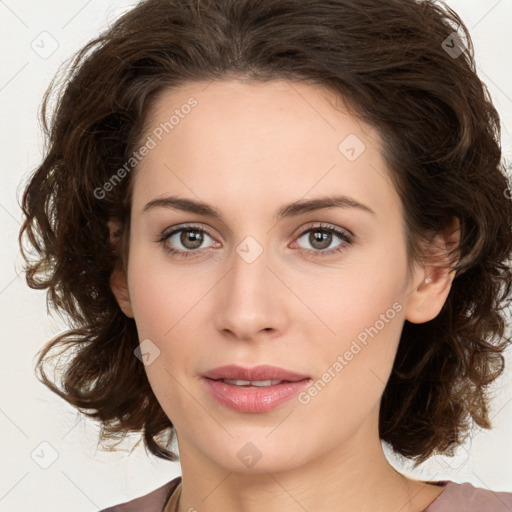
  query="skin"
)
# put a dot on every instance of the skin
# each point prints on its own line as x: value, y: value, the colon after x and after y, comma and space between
x: 247, y: 149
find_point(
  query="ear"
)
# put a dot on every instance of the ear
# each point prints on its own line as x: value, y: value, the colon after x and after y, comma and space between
x: 118, y: 279
x: 432, y: 280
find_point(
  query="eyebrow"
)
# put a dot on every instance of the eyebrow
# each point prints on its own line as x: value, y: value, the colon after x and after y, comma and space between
x: 288, y: 210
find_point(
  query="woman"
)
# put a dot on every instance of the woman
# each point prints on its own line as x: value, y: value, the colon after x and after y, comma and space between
x: 283, y: 233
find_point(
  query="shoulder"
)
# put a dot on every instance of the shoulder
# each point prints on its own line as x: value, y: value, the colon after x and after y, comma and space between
x: 465, y: 497
x: 154, y: 501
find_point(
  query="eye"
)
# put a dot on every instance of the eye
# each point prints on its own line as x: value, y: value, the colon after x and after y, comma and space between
x: 192, y: 237
x: 321, y: 237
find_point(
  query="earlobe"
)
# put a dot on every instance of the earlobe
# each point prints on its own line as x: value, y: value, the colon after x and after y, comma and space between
x: 118, y: 279
x: 433, y: 281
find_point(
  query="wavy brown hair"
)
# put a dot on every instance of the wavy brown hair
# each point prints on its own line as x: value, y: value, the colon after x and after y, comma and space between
x: 400, y: 68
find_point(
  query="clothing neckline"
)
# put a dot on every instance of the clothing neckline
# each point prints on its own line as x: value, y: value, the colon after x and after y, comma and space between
x: 172, y: 502
x: 440, y: 497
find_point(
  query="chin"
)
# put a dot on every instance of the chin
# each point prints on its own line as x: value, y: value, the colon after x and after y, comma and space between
x: 252, y: 454
x: 274, y: 463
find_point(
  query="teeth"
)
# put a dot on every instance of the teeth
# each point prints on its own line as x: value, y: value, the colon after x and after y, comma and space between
x: 261, y: 383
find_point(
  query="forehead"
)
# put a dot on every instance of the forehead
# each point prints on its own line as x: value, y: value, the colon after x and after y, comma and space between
x: 226, y: 138
x: 229, y: 108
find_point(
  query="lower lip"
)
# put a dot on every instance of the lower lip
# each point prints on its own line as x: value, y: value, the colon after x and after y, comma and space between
x: 253, y: 398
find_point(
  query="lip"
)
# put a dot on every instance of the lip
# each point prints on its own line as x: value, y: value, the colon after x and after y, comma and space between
x: 253, y: 399
x: 261, y: 372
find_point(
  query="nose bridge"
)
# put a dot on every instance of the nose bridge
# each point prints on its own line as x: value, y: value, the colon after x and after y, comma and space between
x: 249, y: 271
x: 249, y: 301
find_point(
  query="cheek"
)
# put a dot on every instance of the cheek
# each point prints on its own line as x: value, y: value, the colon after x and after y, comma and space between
x: 367, y: 319
x: 365, y: 303
x: 356, y: 368
x: 166, y: 303
x: 163, y: 295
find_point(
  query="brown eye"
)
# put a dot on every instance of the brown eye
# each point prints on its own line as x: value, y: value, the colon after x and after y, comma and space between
x: 187, y: 240
x: 191, y: 238
x: 321, y: 237
x: 184, y: 241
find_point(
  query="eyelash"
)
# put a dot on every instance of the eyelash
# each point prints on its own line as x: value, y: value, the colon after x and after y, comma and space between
x: 345, y: 236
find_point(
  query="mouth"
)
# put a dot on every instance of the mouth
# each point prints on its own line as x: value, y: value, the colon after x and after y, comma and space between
x: 253, y: 390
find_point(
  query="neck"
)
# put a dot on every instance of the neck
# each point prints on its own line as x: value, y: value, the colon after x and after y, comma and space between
x: 355, y: 476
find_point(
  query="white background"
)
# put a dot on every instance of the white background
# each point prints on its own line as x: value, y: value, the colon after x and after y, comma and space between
x: 83, y: 478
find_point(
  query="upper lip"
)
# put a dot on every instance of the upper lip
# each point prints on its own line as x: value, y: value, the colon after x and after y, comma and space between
x: 262, y: 372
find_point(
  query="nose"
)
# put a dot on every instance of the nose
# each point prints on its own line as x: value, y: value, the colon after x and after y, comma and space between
x: 251, y: 300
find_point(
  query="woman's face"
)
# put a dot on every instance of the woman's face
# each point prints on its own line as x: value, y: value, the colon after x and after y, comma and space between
x: 258, y: 288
